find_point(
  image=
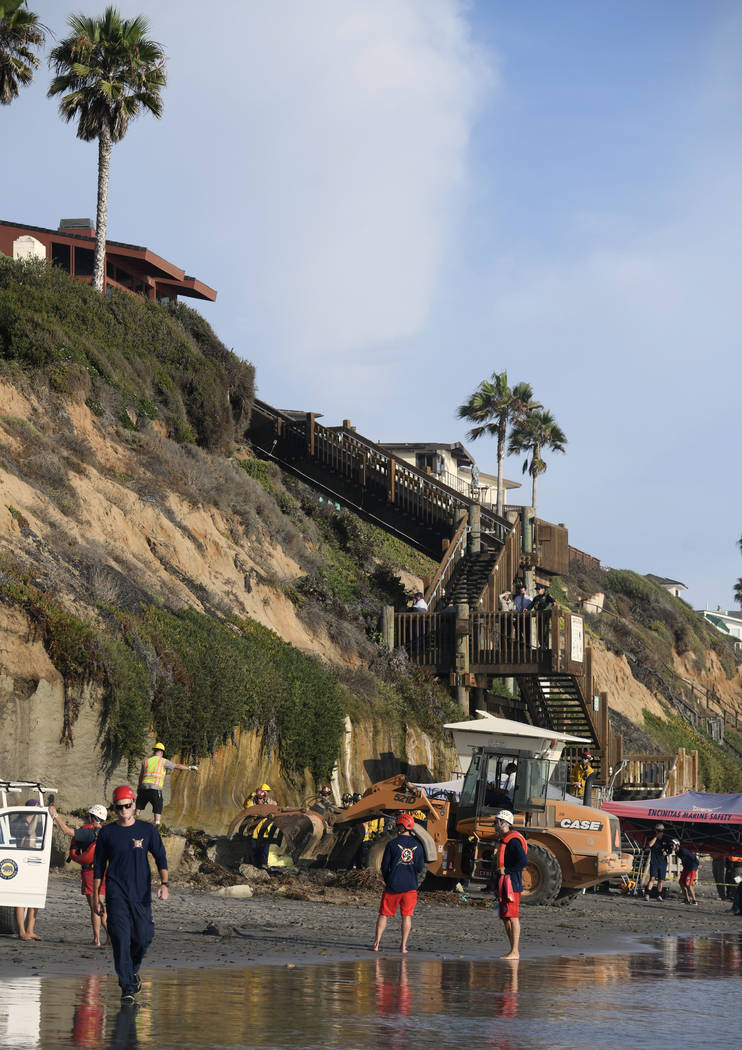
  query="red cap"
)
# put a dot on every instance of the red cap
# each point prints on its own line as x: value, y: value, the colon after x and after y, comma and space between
x: 406, y: 821
x: 121, y: 793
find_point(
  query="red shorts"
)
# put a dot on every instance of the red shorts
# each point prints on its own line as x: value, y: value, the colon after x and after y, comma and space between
x: 406, y: 902
x: 87, y: 883
x: 687, y: 878
x: 510, y: 909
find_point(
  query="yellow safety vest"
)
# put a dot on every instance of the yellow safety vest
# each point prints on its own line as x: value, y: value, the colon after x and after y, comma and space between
x: 154, y: 772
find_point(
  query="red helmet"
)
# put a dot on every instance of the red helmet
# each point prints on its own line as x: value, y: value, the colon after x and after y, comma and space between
x: 260, y: 793
x: 406, y: 821
x: 124, y: 792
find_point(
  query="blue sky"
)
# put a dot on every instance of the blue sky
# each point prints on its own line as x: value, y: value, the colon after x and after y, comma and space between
x: 395, y: 198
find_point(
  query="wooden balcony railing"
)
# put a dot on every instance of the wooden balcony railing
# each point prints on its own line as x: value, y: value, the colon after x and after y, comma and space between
x: 499, y: 642
x: 454, y: 553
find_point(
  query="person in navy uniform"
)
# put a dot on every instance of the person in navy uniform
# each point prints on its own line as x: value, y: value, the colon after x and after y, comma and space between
x: 659, y: 846
x: 403, y: 861
x: 121, y: 856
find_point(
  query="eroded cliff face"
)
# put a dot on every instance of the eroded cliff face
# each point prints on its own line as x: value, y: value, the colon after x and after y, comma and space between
x: 33, y: 747
x: 169, y: 544
x: 88, y: 517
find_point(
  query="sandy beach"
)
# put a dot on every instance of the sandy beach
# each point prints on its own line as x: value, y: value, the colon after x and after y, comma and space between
x: 314, y: 917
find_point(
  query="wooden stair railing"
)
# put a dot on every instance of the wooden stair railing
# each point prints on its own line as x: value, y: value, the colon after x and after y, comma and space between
x: 449, y: 562
x: 372, y: 471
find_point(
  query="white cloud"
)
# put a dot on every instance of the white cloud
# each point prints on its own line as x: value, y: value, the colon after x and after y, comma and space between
x: 344, y: 130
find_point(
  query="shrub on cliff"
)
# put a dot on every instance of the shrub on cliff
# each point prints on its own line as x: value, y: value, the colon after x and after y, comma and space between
x: 125, y: 355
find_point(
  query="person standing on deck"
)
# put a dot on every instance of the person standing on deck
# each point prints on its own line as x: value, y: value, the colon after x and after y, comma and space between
x: 152, y: 778
x: 121, y: 857
x: 512, y: 857
x: 521, y: 602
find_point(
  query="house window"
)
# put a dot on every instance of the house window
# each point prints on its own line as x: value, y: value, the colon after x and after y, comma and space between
x: 434, y: 460
x: 61, y: 255
x: 84, y: 262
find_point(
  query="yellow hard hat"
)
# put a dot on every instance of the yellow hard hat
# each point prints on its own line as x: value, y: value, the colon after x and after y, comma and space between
x: 159, y: 747
x: 265, y: 787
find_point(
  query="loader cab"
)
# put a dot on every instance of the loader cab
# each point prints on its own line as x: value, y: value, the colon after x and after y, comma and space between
x: 500, y: 780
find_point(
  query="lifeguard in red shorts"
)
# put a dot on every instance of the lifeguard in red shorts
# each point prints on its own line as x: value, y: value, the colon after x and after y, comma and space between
x: 688, y: 875
x: 512, y: 857
x: 401, y: 864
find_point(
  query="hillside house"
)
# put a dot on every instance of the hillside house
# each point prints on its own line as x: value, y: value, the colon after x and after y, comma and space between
x: 453, y: 465
x: 673, y: 586
x: 128, y: 266
x: 728, y: 623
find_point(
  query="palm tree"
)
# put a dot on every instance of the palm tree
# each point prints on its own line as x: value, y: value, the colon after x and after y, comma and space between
x: 738, y: 584
x: 20, y: 33
x: 532, y: 433
x: 492, y: 406
x: 108, y: 71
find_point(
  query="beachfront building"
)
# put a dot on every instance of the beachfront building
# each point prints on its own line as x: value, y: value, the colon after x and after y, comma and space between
x: 452, y: 464
x: 728, y: 623
x: 128, y: 266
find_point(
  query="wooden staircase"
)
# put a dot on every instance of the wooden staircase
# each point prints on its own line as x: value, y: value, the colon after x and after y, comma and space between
x: 481, y: 557
x: 557, y: 702
x: 377, y: 485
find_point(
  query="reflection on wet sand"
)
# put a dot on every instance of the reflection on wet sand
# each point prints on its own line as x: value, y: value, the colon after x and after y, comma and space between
x: 389, y: 1002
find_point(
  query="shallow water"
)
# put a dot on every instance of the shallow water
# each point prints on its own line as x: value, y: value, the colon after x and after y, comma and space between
x: 677, y: 994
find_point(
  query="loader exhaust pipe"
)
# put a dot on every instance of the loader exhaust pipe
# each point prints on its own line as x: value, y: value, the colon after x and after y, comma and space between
x: 587, y: 798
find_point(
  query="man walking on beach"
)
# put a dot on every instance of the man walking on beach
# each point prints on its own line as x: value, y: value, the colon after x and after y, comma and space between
x: 121, y: 856
x: 152, y: 778
x: 401, y: 864
x: 511, y: 860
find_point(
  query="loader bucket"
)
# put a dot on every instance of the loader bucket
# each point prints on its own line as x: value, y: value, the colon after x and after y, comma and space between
x: 297, y: 832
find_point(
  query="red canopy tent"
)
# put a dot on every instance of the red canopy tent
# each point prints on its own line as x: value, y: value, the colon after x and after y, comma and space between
x: 711, y: 823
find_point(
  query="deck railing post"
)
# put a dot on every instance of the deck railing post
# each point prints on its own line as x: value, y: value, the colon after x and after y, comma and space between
x: 387, y: 625
x: 310, y: 432
x: 462, y: 655
x: 475, y: 528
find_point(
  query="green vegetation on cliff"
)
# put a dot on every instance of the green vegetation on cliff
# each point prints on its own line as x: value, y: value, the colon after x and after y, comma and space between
x: 125, y: 356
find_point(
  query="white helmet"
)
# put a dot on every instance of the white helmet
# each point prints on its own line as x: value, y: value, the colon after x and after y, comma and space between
x: 98, y: 811
x: 504, y: 814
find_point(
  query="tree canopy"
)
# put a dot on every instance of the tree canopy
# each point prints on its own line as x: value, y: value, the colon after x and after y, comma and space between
x: 532, y: 433
x: 21, y: 34
x: 492, y: 407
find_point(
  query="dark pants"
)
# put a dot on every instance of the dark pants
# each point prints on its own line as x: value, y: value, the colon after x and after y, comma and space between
x: 259, y: 849
x: 130, y: 929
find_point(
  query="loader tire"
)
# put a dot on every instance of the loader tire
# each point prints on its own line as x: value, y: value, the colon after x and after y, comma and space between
x: 376, y: 853
x: 542, y: 876
x: 8, y: 922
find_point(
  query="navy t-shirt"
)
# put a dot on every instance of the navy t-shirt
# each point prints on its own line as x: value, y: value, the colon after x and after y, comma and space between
x: 402, y: 861
x: 515, y: 862
x: 121, y: 854
x: 688, y: 859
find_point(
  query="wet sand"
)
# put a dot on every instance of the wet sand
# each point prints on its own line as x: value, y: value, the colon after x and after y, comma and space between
x: 332, y: 923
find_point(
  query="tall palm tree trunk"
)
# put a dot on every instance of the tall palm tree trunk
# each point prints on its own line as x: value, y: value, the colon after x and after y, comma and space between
x: 101, y: 219
x: 536, y: 459
x: 501, y: 433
